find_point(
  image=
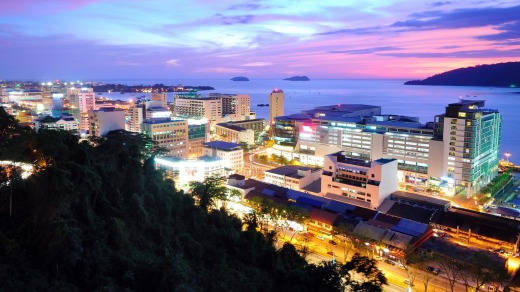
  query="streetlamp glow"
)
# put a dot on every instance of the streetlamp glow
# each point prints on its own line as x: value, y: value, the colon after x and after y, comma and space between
x: 507, y: 155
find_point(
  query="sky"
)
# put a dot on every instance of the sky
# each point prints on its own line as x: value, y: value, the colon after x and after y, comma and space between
x: 117, y: 39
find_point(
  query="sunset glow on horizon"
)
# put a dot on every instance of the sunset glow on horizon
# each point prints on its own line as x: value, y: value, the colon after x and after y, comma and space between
x: 260, y: 39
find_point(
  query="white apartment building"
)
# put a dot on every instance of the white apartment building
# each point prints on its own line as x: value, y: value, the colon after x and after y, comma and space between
x: 231, y: 153
x: 292, y: 177
x: 366, y: 183
x: 188, y: 170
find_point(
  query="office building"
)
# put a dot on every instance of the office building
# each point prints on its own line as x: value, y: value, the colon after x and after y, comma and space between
x: 198, y: 134
x: 236, y: 107
x: 231, y: 153
x: 257, y: 125
x: 234, y: 134
x: 169, y: 134
x: 292, y: 177
x: 365, y: 183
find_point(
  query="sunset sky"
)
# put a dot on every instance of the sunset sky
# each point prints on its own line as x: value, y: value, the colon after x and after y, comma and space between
x: 53, y: 39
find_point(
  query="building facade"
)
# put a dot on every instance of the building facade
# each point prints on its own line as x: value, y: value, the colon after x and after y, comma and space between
x: 169, y: 134
x: 65, y: 122
x: 276, y: 105
x: 231, y: 153
x: 105, y: 120
x: 471, y: 144
x: 361, y: 180
x: 234, y: 134
x: 292, y: 177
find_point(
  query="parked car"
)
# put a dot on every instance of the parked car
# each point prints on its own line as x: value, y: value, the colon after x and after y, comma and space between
x: 332, y: 242
x: 429, y: 269
x: 401, y: 266
x: 436, y: 271
x: 320, y: 237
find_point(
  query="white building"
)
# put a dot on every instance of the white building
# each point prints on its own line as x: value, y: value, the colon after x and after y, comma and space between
x: 188, y: 170
x: 231, y: 153
x: 292, y: 177
x: 105, y: 120
x: 65, y: 122
x: 208, y: 108
x: 366, y: 183
x: 169, y: 134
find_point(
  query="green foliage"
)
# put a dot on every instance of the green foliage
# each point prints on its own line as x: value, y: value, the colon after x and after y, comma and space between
x: 101, y: 218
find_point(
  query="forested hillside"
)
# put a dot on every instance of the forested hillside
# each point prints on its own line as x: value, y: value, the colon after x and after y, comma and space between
x: 99, y: 217
x: 496, y: 75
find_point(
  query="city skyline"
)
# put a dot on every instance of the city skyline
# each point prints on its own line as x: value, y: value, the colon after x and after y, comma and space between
x: 90, y: 39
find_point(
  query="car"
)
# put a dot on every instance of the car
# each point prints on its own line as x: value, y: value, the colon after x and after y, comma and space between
x: 320, y: 237
x: 401, y: 266
x: 500, y: 250
x: 308, y: 234
x: 378, y: 258
x: 406, y: 281
x: 330, y: 253
x: 429, y: 269
x: 436, y: 271
x: 332, y: 242
x: 390, y: 262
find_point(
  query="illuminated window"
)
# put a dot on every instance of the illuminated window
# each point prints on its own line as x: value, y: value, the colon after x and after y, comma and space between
x: 462, y: 115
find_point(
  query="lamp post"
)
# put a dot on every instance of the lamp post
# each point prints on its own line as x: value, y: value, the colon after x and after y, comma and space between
x: 507, y: 155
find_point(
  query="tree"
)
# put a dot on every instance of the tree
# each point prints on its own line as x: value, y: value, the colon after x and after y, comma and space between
x: 207, y: 192
x: 451, y: 268
x: 372, y: 277
x: 417, y: 261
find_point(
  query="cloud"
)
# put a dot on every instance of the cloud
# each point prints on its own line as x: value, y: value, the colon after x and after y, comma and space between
x: 231, y: 20
x: 245, y: 6
x: 440, y: 3
x: 48, y: 6
x: 257, y: 64
x: 172, y: 63
x: 491, y: 53
x: 367, y: 50
x: 357, y: 31
x: 460, y: 18
x: 219, y: 70
x: 127, y: 63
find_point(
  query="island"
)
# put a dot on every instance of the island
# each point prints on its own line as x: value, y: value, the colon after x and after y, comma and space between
x: 298, y: 78
x: 240, y: 78
x: 494, y: 75
x: 147, y: 88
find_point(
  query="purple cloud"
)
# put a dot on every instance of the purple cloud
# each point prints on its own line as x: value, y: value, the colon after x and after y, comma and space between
x: 459, y: 54
x: 367, y: 50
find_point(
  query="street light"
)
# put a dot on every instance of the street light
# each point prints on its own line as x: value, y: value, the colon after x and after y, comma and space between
x: 507, y: 155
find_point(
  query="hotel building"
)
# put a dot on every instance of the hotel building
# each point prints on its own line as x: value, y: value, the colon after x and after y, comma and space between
x: 470, y: 136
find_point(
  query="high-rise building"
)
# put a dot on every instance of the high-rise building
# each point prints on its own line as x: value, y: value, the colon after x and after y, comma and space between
x: 470, y: 136
x: 276, y: 105
x: 105, y: 120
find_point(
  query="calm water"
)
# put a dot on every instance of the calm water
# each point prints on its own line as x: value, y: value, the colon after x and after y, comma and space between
x: 395, y: 98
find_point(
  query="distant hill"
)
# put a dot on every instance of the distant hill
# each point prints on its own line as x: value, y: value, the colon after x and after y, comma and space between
x: 240, y: 78
x: 496, y: 75
x: 298, y: 78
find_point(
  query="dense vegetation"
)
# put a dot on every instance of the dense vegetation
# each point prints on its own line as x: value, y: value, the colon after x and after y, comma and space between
x: 99, y: 217
x: 499, y: 75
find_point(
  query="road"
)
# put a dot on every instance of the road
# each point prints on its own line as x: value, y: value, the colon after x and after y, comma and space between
x: 321, y: 250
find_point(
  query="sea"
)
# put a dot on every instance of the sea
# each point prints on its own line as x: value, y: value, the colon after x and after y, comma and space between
x: 392, y: 95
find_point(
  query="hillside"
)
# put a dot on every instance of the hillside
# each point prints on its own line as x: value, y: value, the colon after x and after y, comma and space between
x: 495, y: 75
x: 99, y: 217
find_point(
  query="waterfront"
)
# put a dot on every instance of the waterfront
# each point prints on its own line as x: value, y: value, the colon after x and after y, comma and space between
x: 395, y: 98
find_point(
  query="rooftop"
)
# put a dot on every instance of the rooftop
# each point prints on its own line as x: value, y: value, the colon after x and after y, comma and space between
x: 231, y: 127
x: 344, y: 159
x: 222, y: 145
x: 288, y: 170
